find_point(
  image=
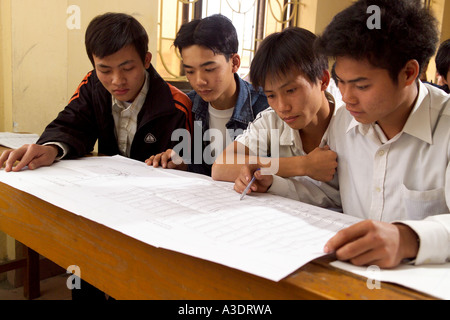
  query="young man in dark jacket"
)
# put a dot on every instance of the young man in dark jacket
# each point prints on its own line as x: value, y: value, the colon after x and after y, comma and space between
x: 123, y: 103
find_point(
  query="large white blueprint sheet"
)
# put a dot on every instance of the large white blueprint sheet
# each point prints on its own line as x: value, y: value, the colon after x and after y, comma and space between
x: 265, y: 235
x: 16, y: 140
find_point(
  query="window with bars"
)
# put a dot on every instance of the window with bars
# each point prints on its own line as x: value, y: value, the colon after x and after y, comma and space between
x: 253, y: 20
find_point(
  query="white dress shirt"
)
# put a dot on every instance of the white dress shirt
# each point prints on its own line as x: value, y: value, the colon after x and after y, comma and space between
x: 125, y: 118
x: 269, y: 136
x: 406, y: 178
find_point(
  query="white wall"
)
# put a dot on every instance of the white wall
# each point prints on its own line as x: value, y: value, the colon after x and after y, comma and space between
x: 48, y: 53
x: 43, y: 60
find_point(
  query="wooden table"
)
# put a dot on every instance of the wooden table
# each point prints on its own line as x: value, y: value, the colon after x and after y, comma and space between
x: 126, y: 268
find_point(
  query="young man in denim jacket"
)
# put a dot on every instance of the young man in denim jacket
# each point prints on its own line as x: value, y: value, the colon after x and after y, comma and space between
x: 223, y: 103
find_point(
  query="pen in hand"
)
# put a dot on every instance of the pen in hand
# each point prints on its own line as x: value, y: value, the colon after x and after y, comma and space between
x: 249, y: 186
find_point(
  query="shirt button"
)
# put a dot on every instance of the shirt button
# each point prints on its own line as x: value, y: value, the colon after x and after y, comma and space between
x: 381, y: 153
x: 378, y: 190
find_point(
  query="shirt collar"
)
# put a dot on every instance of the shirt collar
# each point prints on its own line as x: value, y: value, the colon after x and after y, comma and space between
x: 418, y: 123
x: 354, y: 123
x: 288, y: 135
x: 337, y: 105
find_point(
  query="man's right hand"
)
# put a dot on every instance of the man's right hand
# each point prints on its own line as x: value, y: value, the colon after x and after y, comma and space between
x: 31, y: 155
x: 322, y: 164
x: 262, y: 182
x: 168, y: 159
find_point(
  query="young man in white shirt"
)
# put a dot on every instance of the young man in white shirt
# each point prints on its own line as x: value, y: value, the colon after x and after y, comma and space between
x: 392, y: 139
x: 285, y: 139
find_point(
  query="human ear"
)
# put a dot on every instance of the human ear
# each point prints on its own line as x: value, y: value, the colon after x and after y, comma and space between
x: 325, y: 81
x: 235, y: 62
x: 148, y: 60
x: 410, y: 72
x: 447, y: 79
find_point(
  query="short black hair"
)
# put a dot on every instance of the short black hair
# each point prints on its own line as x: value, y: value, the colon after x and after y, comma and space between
x: 215, y: 32
x: 110, y: 32
x: 443, y: 58
x: 407, y: 31
x: 286, y: 51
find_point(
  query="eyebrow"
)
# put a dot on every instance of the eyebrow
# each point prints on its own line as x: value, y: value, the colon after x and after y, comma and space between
x: 353, y: 80
x: 109, y: 67
x: 208, y: 63
x: 281, y: 87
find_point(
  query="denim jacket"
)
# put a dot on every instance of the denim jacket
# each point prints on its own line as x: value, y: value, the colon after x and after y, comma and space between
x: 250, y: 102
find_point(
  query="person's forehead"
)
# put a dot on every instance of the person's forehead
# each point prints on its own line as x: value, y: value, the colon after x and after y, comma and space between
x: 128, y: 53
x: 350, y: 69
x: 280, y: 80
x: 196, y: 56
